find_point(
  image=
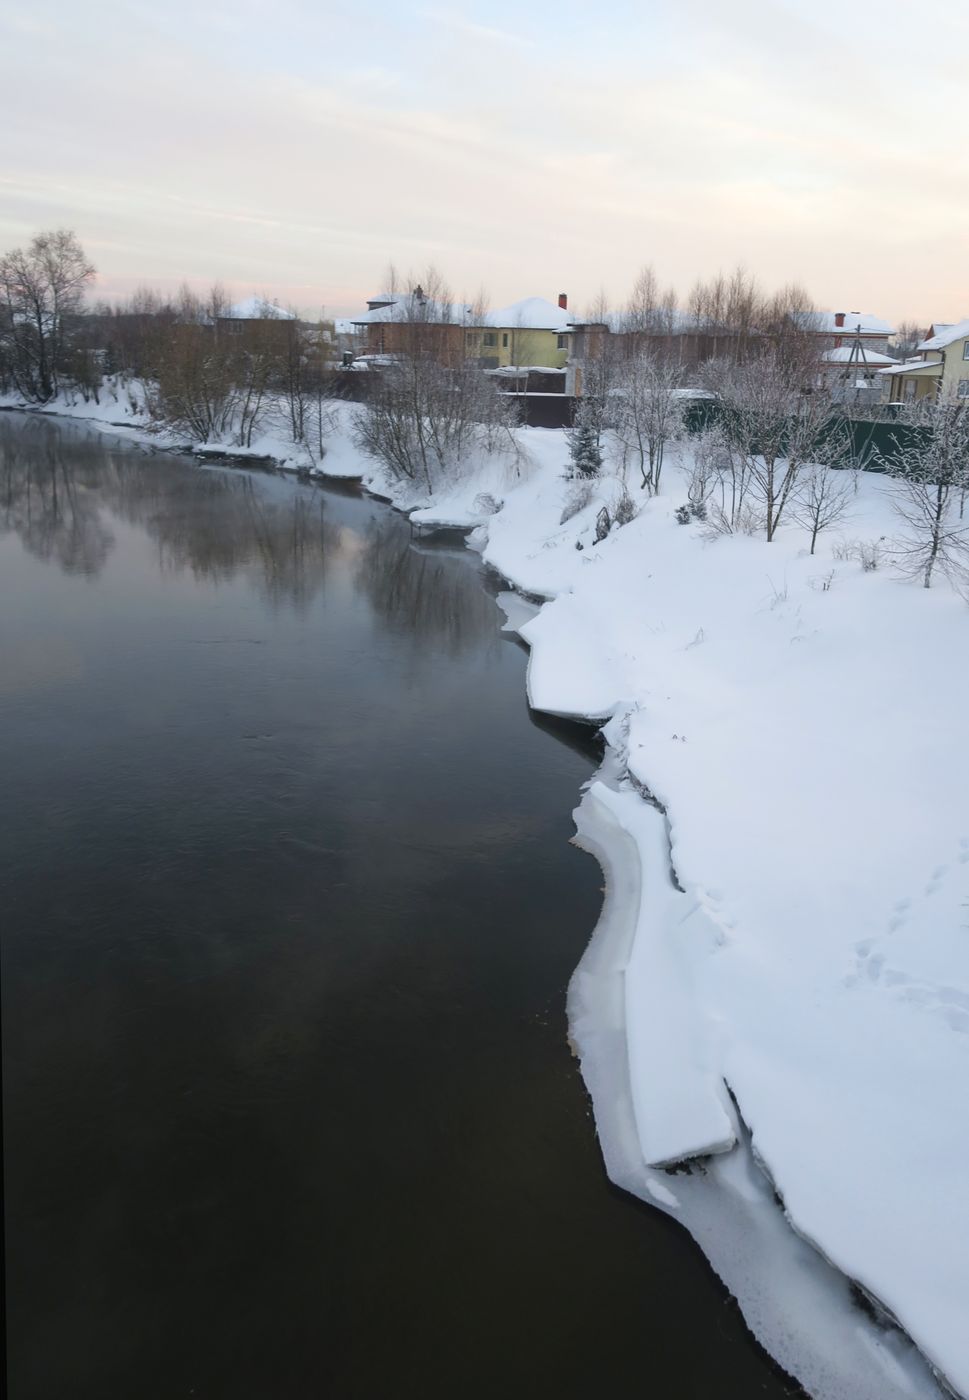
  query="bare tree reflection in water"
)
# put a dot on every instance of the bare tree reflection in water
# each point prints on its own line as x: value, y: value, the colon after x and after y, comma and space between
x: 416, y: 591
x: 58, y: 490
x: 55, y: 513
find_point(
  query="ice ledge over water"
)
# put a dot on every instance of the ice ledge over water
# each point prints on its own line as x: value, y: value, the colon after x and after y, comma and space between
x: 680, y: 1102
x: 631, y: 1009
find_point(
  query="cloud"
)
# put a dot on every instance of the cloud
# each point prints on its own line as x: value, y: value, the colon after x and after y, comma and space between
x: 303, y: 148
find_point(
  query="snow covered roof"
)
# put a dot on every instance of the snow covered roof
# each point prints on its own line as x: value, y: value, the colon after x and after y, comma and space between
x: 258, y: 309
x: 843, y: 354
x: 406, y: 308
x: 520, y: 371
x: 532, y: 314
x: 945, y: 335
x: 914, y: 367
x: 853, y: 322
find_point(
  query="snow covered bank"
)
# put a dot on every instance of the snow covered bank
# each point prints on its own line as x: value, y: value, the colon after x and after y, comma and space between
x: 798, y: 719
x: 121, y: 408
x: 797, y: 1305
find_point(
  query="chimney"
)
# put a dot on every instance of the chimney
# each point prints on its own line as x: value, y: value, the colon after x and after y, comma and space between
x: 839, y: 319
x: 563, y: 301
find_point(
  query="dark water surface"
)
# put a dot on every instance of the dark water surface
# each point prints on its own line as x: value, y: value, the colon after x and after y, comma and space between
x: 288, y: 914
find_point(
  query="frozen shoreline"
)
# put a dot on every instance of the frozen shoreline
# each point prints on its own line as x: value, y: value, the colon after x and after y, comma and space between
x: 637, y: 990
x: 726, y: 1202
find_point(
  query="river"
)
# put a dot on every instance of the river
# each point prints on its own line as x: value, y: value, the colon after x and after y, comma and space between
x: 289, y: 911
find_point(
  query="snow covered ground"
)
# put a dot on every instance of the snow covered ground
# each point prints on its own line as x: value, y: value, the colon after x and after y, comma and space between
x: 779, y: 986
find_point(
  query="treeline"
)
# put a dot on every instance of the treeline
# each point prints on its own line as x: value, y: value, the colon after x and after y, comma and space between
x: 184, y: 361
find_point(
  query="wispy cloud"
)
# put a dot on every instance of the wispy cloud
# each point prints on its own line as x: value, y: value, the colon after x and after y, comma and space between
x: 302, y: 146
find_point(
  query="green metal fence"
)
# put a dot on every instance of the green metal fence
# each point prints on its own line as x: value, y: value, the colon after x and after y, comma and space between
x: 874, y: 444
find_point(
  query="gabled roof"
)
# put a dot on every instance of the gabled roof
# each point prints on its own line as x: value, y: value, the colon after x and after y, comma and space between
x: 531, y: 314
x: 258, y: 309
x: 945, y: 335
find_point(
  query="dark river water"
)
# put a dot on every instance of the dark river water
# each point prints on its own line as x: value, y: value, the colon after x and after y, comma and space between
x: 288, y: 913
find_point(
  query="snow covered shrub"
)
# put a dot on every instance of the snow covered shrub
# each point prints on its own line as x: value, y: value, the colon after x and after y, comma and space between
x: 579, y: 496
x: 625, y: 511
x: 682, y: 515
x: 486, y: 504
x: 869, y: 554
x: 424, y: 420
x: 603, y: 525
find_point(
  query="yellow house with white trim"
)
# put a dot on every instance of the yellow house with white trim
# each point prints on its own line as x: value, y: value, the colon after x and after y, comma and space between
x: 942, y: 371
x: 532, y: 332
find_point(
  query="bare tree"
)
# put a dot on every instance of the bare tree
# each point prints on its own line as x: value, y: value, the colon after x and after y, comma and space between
x: 908, y: 336
x: 824, y: 498
x: 195, y: 385
x: 649, y: 412
x: 41, y: 290
x: 773, y: 426
x: 423, y: 420
x: 930, y: 468
x: 432, y: 407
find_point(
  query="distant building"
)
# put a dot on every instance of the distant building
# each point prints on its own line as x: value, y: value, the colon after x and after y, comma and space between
x: 837, y: 329
x: 529, y: 334
x: 852, y: 372
x: 411, y: 323
x: 940, y: 368
x: 258, y: 320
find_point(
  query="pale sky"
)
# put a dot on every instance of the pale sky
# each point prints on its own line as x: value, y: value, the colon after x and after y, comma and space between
x: 295, y: 148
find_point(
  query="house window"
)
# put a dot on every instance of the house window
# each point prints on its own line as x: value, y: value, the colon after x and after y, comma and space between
x: 489, y: 340
x: 965, y: 349
x: 560, y: 342
x: 504, y: 340
x: 962, y: 389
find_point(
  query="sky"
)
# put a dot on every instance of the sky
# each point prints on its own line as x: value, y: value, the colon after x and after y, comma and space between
x: 296, y: 149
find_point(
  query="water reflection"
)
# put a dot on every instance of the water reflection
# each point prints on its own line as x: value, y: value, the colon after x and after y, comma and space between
x: 52, y: 509
x: 60, y: 489
x: 288, y: 1106
x: 416, y: 591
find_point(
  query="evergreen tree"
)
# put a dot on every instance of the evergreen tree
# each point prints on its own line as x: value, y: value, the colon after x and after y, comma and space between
x: 584, y: 440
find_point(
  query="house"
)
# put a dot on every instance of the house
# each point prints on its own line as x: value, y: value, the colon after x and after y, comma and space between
x: 532, y: 332
x: 258, y: 321
x: 852, y: 372
x: 940, y: 369
x: 411, y: 323
x: 838, y: 329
